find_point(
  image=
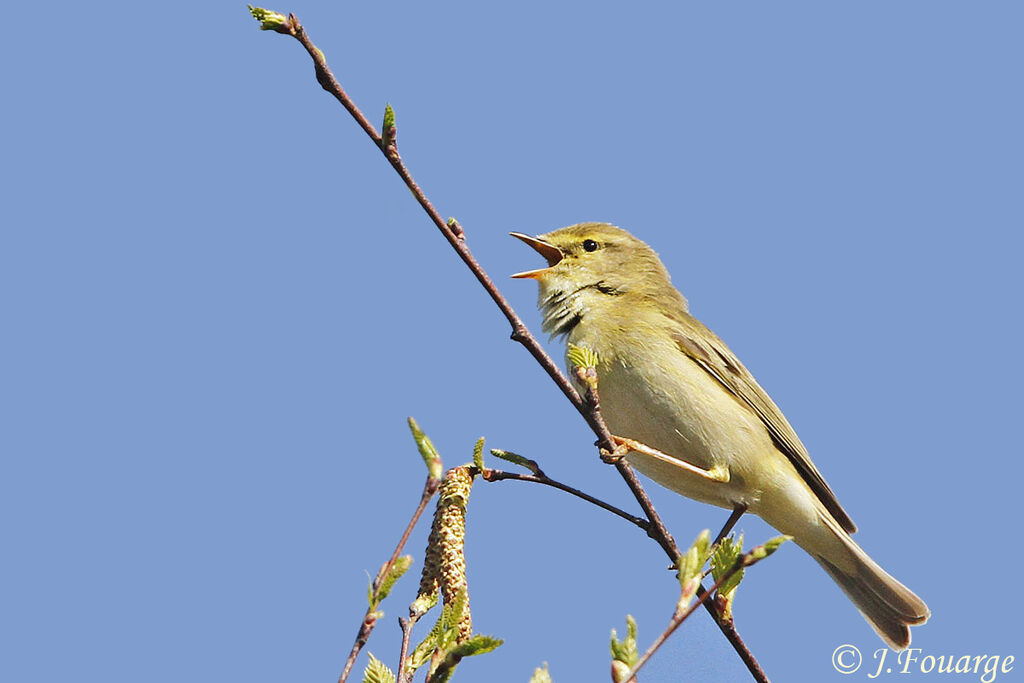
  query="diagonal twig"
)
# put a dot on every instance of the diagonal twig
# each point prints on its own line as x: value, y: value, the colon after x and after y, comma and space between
x: 686, y: 605
x: 370, y: 620
x: 541, y: 478
x: 455, y: 236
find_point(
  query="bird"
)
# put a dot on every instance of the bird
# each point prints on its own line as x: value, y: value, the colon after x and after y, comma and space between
x: 702, y: 425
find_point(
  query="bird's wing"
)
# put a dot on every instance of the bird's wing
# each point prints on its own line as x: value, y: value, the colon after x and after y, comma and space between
x: 709, y: 352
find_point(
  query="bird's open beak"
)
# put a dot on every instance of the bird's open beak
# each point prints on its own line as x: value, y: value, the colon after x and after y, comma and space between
x: 549, y: 251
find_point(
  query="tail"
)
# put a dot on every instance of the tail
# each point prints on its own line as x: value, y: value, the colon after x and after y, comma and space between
x: 890, y: 607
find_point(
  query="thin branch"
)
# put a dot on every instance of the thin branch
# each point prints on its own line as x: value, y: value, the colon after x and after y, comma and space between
x: 499, y: 475
x: 520, y: 333
x: 457, y: 240
x: 685, y: 607
x: 726, y: 625
x: 728, y: 629
x: 680, y: 615
x: 406, y: 625
x: 663, y: 538
x: 657, y: 530
x: 737, y: 512
x: 370, y: 619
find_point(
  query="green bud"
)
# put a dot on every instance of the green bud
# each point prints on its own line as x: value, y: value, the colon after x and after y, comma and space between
x: 517, y: 459
x: 271, y: 21
x: 625, y: 650
x: 582, y: 357
x: 427, y: 451
x: 765, y: 549
x: 541, y: 675
x: 478, y: 454
x: 691, y: 563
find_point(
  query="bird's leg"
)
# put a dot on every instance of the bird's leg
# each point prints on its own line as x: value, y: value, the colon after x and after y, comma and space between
x: 737, y: 512
x: 624, y: 446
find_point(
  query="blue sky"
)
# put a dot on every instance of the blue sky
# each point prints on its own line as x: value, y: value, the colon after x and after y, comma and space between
x: 220, y: 306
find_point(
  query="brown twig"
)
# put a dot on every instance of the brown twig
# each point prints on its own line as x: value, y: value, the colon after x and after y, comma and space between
x: 499, y: 475
x: 681, y: 614
x: 737, y: 512
x: 370, y: 620
x: 726, y: 626
x: 520, y: 333
x: 406, y: 625
x: 686, y: 606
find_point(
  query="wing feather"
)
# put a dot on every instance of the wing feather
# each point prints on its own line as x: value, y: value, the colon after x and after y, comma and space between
x: 711, y: 353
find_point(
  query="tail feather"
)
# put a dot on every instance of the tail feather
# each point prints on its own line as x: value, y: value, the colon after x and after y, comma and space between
x: 890, y: 607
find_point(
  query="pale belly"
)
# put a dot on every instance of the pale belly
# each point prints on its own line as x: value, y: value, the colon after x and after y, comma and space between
x: 685, y: 413
x: 679, y: 409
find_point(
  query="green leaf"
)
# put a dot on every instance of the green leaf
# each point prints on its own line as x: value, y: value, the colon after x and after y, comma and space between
x: 691, y: 567
x: 691, y: 563
x: 541, y: 675
x: 476, y: 645
x: 377, y: 672
x: 765, y: 549
x: 724, y: 558
x: 430, y: 455
x: 451, y: 615
x: 400, y: 567
x: 582, y: 357
x: 423, y: 604
x: 625, y: 650
x: 442, y: 675
x: 421, y: 653
x: 516, y: 459
x: 443, y: 634
x: 478, y: 454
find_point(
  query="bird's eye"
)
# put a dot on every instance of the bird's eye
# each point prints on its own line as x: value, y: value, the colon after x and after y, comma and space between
x: 590, y: 245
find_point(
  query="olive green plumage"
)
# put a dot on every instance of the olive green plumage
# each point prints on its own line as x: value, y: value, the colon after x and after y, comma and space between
x: 669, y: 382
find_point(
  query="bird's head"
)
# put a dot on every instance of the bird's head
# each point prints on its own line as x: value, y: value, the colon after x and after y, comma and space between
x: 589, y: 264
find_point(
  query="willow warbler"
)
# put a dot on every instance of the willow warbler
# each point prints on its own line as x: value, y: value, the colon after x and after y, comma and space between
x: 667, y: 381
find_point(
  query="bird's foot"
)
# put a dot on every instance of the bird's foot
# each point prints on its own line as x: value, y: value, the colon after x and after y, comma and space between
x: 623, y: 446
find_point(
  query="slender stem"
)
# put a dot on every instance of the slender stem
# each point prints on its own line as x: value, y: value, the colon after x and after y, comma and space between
x: 365, y: 628
x: 680, y: 615
x: 686, y: 604
x: 737, y: 512
x: 728, y: 629
x: 657, y: 529
x: 727, y: 626
x: 520, y: 333
x: 406, y: 625
x: 370, y: 619
x: 499, y: 475
x: 664, y: 539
